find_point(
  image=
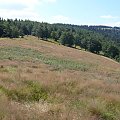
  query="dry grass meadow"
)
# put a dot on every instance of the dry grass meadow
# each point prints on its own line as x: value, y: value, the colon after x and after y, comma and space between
x: 41, y: 80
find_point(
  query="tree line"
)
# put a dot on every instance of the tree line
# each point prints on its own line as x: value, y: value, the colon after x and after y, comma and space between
x: 91, y: 39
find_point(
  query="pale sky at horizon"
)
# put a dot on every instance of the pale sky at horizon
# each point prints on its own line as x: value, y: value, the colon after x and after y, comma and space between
x: 79, y: 12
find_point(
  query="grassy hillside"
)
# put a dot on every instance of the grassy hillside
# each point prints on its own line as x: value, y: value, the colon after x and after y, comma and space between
x: 41, y: 80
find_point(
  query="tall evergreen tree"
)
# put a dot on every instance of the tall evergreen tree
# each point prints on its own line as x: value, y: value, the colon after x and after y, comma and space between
x: 77, y: 40
x: 67, y: 39
x: 94, y: 46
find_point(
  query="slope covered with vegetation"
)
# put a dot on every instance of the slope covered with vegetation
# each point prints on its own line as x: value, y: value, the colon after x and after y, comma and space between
x: 97, y: 39
x: 42, y: 80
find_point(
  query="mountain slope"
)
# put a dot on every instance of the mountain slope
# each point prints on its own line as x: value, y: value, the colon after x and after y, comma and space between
x: 43, y: 80
x: 96, y: 39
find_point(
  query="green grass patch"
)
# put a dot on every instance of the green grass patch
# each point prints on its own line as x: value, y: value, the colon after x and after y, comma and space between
x: 106, y: 110
x: 79, y: 104
x: 30, y: 92
x: 103, y: 110
x: 2, y: 115
x: 23, y: 54
x: 10, y: 69
x: 102, y: 114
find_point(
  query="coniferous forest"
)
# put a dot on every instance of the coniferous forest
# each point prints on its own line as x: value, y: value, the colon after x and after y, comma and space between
x: 101, y: 40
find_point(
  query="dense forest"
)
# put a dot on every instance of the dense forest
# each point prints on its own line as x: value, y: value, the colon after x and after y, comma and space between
x: 96, y: 39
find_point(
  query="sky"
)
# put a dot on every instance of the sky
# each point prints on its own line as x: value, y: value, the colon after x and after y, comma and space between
x: 79, y: 12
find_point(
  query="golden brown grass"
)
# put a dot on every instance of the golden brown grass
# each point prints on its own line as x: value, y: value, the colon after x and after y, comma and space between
x: 93, y: 94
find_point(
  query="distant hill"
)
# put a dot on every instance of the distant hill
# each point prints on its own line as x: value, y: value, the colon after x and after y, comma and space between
x: 112, y: 33
x: 96, y: 39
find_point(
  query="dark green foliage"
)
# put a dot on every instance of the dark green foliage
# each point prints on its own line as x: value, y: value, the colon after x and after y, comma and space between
x: 15, y: 32
x: 1, y: 30
x: 84, y: 44
x: 67, y: 39
x: 55, y: 35
x: 94, y: 46
x: 45, y: 32
x: 112, y: 51
x: 77, y: 40
x: 39, y: 32
x: 42, y: 32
